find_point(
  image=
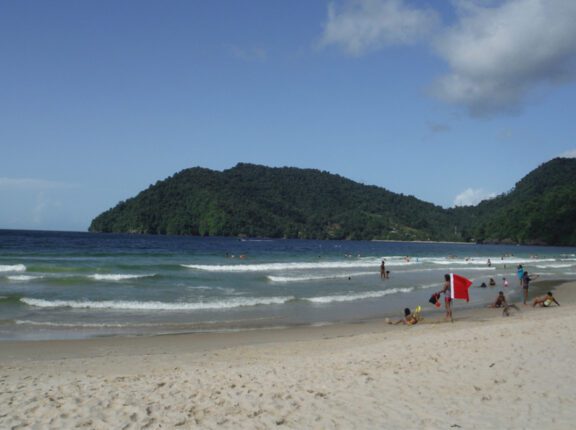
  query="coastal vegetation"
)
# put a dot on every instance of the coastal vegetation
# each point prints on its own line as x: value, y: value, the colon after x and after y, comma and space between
x: 258, y: 201
x: 540, y: 209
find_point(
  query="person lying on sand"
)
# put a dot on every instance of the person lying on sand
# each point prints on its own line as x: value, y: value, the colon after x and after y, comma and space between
x: 545, y: 301
x: 410, y: 318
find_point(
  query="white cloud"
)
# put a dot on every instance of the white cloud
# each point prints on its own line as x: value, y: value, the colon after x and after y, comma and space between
x: 499, y: 54
x: 32, y: 184
x: 360, y: 26
x: 471, y: 197
x: 569, y: 154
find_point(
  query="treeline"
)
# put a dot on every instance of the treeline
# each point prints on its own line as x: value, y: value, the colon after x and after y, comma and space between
x: 257, y: 201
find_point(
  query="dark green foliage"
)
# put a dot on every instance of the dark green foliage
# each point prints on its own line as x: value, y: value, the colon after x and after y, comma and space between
x: 258, y: 201
x: 250, y: 200
x: 541, y: 209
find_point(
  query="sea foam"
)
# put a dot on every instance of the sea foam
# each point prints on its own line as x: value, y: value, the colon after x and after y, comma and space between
x: 283, y: 266
x: 12, y: 268
x: 287, y: 279
x: 358, y: 296
x: 154, y: 305
x: 553, y: 266
x: 117, y: 277
x: 23, y: 278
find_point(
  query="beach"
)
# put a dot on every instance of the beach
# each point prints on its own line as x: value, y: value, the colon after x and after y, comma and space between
x: 482, y: 371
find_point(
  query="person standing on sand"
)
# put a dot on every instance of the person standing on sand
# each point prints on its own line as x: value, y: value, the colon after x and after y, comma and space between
x: 520, y: 273
x: 526, y: 284
x: 447, y: 297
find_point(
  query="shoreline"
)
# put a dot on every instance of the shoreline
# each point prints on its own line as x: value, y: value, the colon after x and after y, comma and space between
x: 243, y: 336
x: 479, y: 372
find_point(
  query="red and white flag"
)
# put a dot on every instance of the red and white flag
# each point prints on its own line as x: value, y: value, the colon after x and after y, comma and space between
x: 459, y: 287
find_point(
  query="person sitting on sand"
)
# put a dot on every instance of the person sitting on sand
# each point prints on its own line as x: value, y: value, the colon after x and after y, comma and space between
x: 545, y: 301
x: 501, y: 302
x: 409, y: 317
x: 492, y: 282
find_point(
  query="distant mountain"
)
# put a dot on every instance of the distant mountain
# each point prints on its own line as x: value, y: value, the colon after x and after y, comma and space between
x: 257, y: 201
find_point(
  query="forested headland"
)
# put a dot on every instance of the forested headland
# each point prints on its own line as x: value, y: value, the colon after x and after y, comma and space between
x: 257, y: 201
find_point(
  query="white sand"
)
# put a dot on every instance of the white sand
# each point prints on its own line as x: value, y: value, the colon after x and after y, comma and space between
x: 482, y: 372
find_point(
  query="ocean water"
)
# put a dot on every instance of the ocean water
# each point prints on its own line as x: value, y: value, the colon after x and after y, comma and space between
x: 56, y: 285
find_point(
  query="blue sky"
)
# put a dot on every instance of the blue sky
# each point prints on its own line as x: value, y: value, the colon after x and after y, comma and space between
x: 449, y: 101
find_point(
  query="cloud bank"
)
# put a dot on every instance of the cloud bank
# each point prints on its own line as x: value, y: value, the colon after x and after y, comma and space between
x: 497, y: 55
x: 498, y: 52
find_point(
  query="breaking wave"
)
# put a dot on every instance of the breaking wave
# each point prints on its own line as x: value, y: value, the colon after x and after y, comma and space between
x: 12, y: 268
x: 117, y: 277
x: 164, y: 306
x: 360, y: 296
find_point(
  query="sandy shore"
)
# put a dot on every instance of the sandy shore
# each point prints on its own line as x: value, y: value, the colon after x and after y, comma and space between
x: 484, y: 371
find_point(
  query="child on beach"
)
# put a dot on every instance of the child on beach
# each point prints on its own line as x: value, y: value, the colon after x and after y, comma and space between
x: 409, y: 318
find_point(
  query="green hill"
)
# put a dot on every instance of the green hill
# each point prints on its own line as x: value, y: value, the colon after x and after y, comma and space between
x: 258, y: 201
x: 540, y: 209
x: 285, y: 202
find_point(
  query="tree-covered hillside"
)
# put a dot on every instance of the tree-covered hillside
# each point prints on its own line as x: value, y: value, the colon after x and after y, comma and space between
x: 274, y: 202
x: 258, y: 201
x: 540, y: 209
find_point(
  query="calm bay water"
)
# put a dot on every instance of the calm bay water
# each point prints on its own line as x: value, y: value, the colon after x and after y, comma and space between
x: 75, y: 285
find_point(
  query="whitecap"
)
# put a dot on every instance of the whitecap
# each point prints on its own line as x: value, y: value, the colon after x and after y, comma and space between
x: 117, y: 277
x: 155, y: 305
x: 358, y: 296
x: 262, y: 267
x: 554, y: 266
x: 23, y: 278
x: 12, y: 268
x: 287, y: 279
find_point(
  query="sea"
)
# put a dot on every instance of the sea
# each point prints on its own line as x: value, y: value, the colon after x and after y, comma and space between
x: 70, y: 285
